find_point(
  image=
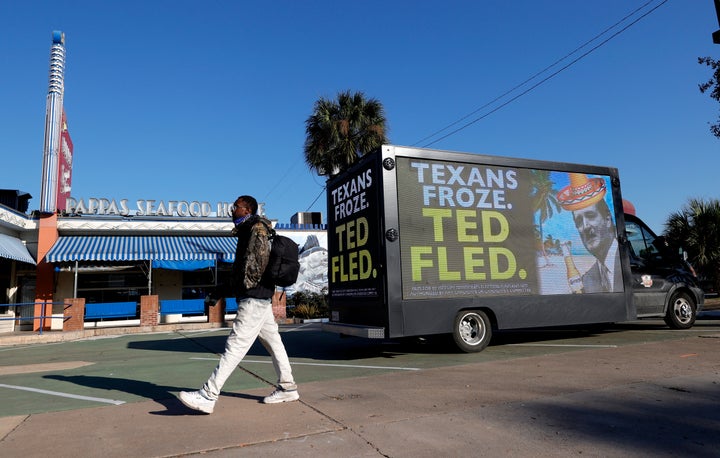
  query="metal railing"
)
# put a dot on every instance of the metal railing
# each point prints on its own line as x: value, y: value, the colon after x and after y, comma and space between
x: 23, y: 308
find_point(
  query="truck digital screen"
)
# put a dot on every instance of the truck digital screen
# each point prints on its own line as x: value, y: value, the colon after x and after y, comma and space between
x: 469, y: 229
x: 353, y: 238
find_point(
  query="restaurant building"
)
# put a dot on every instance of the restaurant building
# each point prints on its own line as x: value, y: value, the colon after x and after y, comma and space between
x: 104, y: 252
x: 112, y: 251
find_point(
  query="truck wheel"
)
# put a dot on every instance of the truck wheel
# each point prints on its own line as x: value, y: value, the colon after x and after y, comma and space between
x: 472, y: 331
x: 681, y: 312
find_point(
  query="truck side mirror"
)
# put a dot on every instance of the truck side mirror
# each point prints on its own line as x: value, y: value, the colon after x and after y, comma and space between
x: 663, y: 248
x: 660, y: 243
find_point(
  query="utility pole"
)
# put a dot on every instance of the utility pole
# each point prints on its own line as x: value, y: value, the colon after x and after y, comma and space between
x: 716, y: 34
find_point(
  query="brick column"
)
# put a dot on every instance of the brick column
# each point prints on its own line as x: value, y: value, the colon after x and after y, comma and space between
x: 149, y: 306
x: 74, y: 314
x: 42, y: 309
x: 279, y: 305
x: 216, y: 311
x: 45, y: 272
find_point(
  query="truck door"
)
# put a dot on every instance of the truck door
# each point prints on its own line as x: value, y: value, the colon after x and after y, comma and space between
x: 649, y: 269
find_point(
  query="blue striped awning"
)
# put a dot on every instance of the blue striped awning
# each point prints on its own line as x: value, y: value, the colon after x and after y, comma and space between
x: 136, y: 248
x: 13, y: 248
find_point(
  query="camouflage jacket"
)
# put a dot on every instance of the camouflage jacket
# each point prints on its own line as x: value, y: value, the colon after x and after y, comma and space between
x: 251, y: 258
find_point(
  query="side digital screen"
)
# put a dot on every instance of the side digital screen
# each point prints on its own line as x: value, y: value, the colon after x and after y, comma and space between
x: 353, y: 229
x: 479, y: 230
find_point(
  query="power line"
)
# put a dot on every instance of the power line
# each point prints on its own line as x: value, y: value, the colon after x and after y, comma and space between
x: 282, y: 179
x: 533, y: 77
x: 540, y: 73
x: 316, y: 199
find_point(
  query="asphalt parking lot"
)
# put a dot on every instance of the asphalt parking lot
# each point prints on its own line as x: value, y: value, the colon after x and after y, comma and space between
x: 633, y: 389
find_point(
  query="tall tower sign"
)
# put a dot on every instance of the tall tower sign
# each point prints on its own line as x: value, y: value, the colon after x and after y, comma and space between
x: 53, y: 125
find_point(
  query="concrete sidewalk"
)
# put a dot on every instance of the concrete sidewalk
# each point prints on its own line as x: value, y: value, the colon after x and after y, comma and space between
x: 655, y: 399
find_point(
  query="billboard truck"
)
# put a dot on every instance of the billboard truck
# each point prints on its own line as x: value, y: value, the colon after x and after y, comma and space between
x: 424, y: 242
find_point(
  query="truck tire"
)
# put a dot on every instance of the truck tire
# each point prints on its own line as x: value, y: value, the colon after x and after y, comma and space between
x: 472, y: 331
x: 681, y: 311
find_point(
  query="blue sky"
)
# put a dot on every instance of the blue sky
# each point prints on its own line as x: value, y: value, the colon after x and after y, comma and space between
x: 207, y: 100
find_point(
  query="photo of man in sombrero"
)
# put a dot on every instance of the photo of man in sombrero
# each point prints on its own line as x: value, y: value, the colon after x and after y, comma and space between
x: 585, y: 198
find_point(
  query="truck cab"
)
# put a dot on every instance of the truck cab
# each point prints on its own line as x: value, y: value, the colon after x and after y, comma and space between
x: 663, y: 283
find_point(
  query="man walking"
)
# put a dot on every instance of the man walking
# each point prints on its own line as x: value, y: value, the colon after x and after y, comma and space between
x: 254, y: 317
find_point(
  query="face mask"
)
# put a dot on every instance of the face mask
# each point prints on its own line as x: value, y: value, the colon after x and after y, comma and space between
x: 241, y: 220
x: 237, y: 222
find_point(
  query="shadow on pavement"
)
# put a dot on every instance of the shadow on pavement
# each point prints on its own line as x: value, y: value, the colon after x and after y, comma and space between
x: 164, y: 395
x: 315, y: 345
x: 323, y: 346
x: 679, y: 418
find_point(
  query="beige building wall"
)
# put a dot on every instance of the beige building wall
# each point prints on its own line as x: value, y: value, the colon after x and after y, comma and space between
x: 167, y: 284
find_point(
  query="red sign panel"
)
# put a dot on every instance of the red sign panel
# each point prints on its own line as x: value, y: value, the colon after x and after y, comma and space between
x: 64, y: 166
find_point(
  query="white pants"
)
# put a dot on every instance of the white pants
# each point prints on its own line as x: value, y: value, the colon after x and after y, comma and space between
x: 254, y: 320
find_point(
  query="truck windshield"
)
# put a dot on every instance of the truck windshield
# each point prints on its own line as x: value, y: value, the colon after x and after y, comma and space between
x: 641, y: 241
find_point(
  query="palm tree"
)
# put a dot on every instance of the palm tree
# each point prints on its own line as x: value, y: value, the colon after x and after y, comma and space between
x: 544, y: 200
x: 696, y: 229
x: 339, y: 132
x: 712, y: 85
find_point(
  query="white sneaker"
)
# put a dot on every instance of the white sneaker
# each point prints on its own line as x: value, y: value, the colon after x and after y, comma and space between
x: 196, y: 400
x: 281, y: 395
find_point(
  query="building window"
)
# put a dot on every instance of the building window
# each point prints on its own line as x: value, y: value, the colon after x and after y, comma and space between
x: 198, y: 284
x: 116, y: 286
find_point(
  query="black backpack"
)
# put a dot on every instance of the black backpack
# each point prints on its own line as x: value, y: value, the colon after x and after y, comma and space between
x: 283, y: 267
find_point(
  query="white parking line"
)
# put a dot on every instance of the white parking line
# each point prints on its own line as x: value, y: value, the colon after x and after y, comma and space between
x: 197, y: 332
x: 308, y: 325
x: 350, y: 366
x: 561, y: 345
x: 64, y: 395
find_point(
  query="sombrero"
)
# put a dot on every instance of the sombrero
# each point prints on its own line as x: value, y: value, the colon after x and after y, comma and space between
x: 582, y: 192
